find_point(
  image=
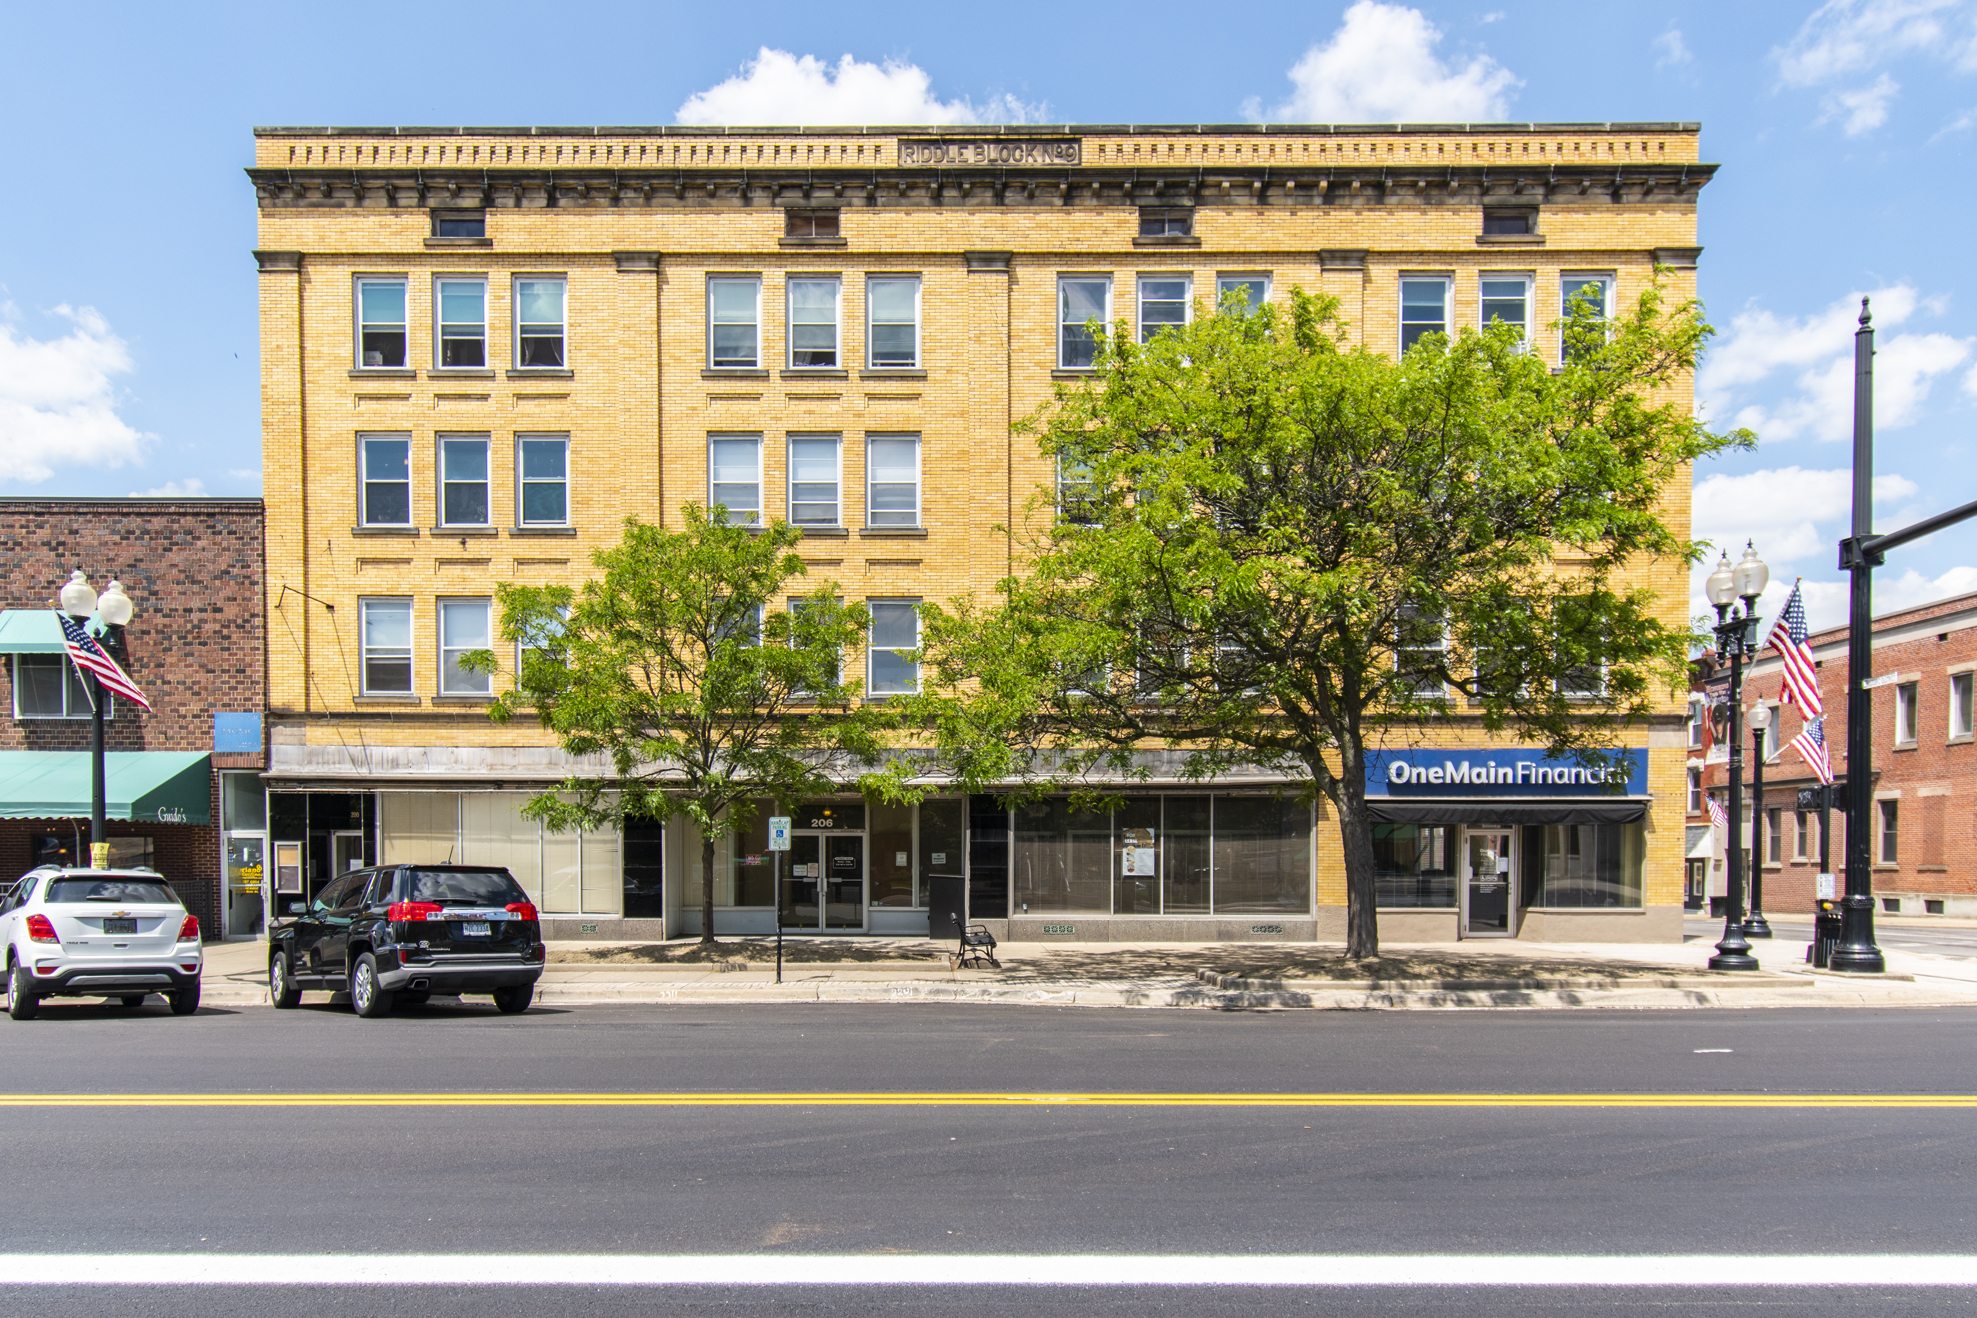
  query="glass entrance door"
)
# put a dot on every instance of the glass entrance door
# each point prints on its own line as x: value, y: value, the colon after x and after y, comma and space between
x: 1489, y: 884
x: 844, y: 881
x: 824, y: 882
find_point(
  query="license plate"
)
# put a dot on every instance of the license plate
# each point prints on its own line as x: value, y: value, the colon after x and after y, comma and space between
x: 120, y: 926
x: 474, y: 929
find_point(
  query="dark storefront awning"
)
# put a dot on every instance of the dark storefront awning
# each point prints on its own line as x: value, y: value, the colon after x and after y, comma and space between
x: 1567, y: 811
x: 167, y: 787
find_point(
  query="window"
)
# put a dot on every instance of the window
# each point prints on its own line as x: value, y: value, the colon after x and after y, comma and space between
x: 1507, y: 301
x: 1594, y: 293
x: 1801, y: 834
x: 1695, y: 791
x: 1262, y: 854
x: 459, y: 224
x: 1579, y: 866
x: 381, y: 323
x: 734, y: 477
x: 813, y: 480
x: 541, y: 642
x: 464, y: 625
x: 895, y: 637
x: 1698, y: 711
x: 1163, y: 304
x: 747, y: 628
x: 1774, y: 835
x: 543, y: 487
x: 48, y: 686
x: 1890, y: 812
x: 1080, y: 302
x: 1076, y: 493
x: 798, y: 606
x: 539, y: 322
x: 462, y: 311
x: 1413, y: 865
x: 734, y: 317
x: 1166, y: 222
x: 1962, y: 688
x: 1423, y: 310
x: 1420, y: 641
x: 813, y: 308
x: 892, y: 311
x: 385, y: 626
x: 1241, y: 293
x: 463, y: 498
x: 892, y: 480
x: 1585, y: 680
x: 1509, y: 222
x: 1905, y: 711
x: 385, y: 473
x: 810, y: 224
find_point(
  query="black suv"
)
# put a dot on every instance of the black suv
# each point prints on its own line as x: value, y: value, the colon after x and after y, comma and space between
x: 405, y: 932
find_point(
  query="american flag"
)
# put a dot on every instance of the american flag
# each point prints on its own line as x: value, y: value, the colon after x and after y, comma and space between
x: 1715, y: 808
x: 1811, y: 744
x: 85, y: 652
x: 1788, y: 639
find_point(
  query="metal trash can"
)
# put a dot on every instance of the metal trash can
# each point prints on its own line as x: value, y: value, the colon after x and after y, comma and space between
x: 1825, y: 934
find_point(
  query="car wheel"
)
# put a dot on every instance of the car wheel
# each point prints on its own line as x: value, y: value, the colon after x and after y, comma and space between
x: 366, y: 998
x: 21, y: 1001
x: 281, y: 985
x: 184, y: 1001
x: 514, y: 1001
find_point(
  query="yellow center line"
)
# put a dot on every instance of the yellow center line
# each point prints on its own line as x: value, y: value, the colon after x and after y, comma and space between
x: 989, y: 1099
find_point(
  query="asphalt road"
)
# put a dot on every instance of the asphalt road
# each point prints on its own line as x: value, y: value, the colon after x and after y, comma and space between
x: 1790, y: 934
x: 1045, y: 1175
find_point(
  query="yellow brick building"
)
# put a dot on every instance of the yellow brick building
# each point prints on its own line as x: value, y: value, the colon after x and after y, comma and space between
x: 484, y: 348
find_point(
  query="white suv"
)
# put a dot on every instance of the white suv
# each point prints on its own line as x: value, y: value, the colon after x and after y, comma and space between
x: 83, y: 933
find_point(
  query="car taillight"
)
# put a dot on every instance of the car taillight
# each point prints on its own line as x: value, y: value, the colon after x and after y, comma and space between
x: 402, y: 911
x: 522, y: 910
x: 188, y: 931
x: 40, y: 931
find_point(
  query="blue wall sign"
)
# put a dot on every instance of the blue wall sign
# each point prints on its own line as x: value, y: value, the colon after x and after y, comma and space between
x: 237, y: 734
x: 1518, y: 772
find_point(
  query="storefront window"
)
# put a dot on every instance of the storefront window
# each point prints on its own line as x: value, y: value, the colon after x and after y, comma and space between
x: 1262, y: 854
x: 891, y: 858
x: 1580, y: 866
x: 751, y: 867
x: 1185, y: 863
x: 1414, y: 865
x: 943, y: 842
x: 1063, y: 859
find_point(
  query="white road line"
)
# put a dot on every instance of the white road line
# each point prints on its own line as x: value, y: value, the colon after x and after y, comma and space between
x: 1308, y: 1270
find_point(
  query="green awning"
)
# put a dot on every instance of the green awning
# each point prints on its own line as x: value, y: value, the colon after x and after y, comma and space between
x: 30, y: 631
x: 165, y: 787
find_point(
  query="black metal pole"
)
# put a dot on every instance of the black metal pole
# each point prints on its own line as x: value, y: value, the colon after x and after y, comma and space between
x: 1825, y: 829
x: 1755, y: 925
x: 1733, y: 952
x: 1856, y: 951
x: 99, y: 829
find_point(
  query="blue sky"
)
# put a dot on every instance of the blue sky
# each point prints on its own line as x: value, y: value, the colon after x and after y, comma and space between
x: 128, y: 351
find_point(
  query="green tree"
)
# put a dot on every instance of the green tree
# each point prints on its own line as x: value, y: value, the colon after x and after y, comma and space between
x: 1271, y: 549
x: 681, y: 667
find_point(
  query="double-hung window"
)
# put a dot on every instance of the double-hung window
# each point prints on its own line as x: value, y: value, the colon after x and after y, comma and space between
x: 543, y: 641
x: 385, y: 639
x: 813, y: 323
x: 1589, y: 296
x: 542, y: 487
x: 1423, y: 309
x: 814, y: 480
x: 539, y: 322
x: 894, y: 641
x: 734, y: 477
x: 381, y: 323
x: 734, y: 321
x: 1080, y: 302
x: 1163, y: 304
x: 1890, y: 812
x: 1963, y: 717
x: 1420, y: 643
x: 892, y: 480
x: 1695, y: 791
x: 799, y: 605
x: 461, y: 306
x: 463, y: 483
x: 1906, y: 702
x: 1507, y: 301
x: 1577, y: 634
x: 892, y: 313
x: 1076, y: 493
x: 384, y: 474
x: 1241, y: 294
x: 464, y: 625
x: 1801, y: 833
x: 1698, y: 711
x: 48, y: 686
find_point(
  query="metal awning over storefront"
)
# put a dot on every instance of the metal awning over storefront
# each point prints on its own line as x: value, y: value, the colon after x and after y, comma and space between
x: 165, y: 787
x: 1385, y: 810
x: 30, y: 631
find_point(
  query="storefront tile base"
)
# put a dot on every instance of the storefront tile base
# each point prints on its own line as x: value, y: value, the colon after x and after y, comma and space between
x: 1416, y: 926
x: 601, y: 929
x: 1130, y: 929
x: 1654, y: 924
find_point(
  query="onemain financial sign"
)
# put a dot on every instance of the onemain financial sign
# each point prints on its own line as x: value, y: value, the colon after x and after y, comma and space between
x: 1488, y: 772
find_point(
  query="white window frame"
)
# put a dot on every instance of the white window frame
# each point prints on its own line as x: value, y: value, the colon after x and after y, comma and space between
x: 364, y: 439
x: 1963, y: 704
x: 754, y: 363
x: 872, y: 512
x: 871, y: 364
x: 1447, y: 322
x: 1604, y: 278
x: 790, y: 441
x: 523, y: 480
x: 1226, y: 279
x: 562, y: 326
x: 445, y: 651
x: 1504, y: 277
x: 522, y: 647
x: 1064, y: 503
x: 358, y: 322
x: 1064, y: 325
x: 364, y: 651
x: 1698, y: 712
x: 1695, y: 790
x: 441, y: 481
x: 69, y: 712
x: 751, y: 516
x: 1908, y: 709
x: 439, y: 324
x: 1144, y: 278
x: 872, y: 647
x: 837, y: 322
x: 1887, y: 829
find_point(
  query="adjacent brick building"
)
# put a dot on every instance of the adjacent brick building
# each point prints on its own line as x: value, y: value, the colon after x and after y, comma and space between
x: 192, y: 567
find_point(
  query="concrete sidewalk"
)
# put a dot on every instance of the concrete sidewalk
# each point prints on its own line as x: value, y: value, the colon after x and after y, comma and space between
x: 1490, y: 975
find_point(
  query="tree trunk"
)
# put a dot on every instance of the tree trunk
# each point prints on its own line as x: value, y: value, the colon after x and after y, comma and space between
x: 706, y: 889
x: 1362, y: 896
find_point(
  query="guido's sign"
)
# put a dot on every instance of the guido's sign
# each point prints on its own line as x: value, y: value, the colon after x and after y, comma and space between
x: 1499, y: 772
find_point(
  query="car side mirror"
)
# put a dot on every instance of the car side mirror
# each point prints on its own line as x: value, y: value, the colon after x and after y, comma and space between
x: 295, y: 908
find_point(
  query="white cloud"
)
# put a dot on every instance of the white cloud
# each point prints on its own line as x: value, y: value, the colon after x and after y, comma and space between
x: 777, y: 87
x: 56, y: 400
x: 1862, y: 110
x: 1846, y: 36
x: 1669, y: 49
x: 1962, y: 123
x: 252, y: 474
x: 190, y: 488
x: 1380, y: 66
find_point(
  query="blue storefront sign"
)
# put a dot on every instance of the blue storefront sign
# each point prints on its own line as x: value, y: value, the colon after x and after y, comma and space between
x: 237, y: 734
x: 1503, y: 773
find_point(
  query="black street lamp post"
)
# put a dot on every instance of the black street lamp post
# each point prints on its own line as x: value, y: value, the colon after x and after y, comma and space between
x: 1736, y: 639
x: 1755, y: 925
x: 113, y: 610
